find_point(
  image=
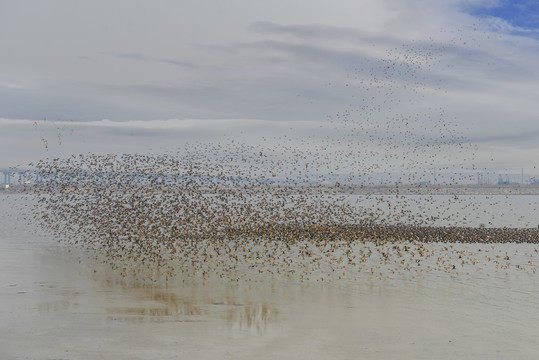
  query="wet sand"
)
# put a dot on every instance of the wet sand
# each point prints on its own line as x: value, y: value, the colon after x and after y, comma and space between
x: 53, y: 307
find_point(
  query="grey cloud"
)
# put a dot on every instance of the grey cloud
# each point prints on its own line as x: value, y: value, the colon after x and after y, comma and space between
x: 58, y: 102
x: 149, y: 59
x: 131, y: 56
x: 304, y: 31
x: 521, y: 138
x: 318, y: 31
x: 344, y: 61
x: 307, y: 52
x: 463, y: 51
x: 274, y: 99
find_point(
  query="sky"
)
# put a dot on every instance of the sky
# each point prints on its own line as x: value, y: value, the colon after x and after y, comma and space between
x: 135, y: 76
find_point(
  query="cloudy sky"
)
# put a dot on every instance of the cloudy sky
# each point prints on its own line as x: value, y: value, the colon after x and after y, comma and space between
x: 125, y: 76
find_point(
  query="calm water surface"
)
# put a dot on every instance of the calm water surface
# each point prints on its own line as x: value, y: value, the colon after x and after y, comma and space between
x: 53, y: 307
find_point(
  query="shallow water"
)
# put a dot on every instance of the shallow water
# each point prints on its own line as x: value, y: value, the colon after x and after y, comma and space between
x: 53, y: 307
x: 450, y: 210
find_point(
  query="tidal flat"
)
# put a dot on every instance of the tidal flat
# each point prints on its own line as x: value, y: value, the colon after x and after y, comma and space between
x: 61, y: 302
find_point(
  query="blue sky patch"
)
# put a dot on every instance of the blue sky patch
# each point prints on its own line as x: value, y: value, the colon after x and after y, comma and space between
x: 520, y: 13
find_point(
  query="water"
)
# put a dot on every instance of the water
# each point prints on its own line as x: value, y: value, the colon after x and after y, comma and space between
x: 450, y: 210
x: 53, y: 307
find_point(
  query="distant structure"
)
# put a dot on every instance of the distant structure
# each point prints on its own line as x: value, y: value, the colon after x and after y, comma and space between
x: 502, y: 181
x: 17, y: 176
x: 482, y: 179
x: 506, y: 181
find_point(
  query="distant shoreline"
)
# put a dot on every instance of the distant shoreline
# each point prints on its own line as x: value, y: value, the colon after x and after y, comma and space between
x: 464, y: 189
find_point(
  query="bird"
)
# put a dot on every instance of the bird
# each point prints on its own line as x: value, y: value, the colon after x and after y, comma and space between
x: 352, y: 200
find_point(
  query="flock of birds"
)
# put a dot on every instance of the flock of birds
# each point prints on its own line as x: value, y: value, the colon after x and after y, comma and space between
x: 283, y: 207
x: 154, y: 217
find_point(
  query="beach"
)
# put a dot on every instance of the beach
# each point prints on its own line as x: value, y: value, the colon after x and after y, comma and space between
x: 58, y: 303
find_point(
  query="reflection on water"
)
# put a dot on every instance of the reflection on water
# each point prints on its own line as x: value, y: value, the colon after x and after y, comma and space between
x: 252, y: 316
x: 69, y: 309
x: 67, y: 300
x: 234, y: 306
